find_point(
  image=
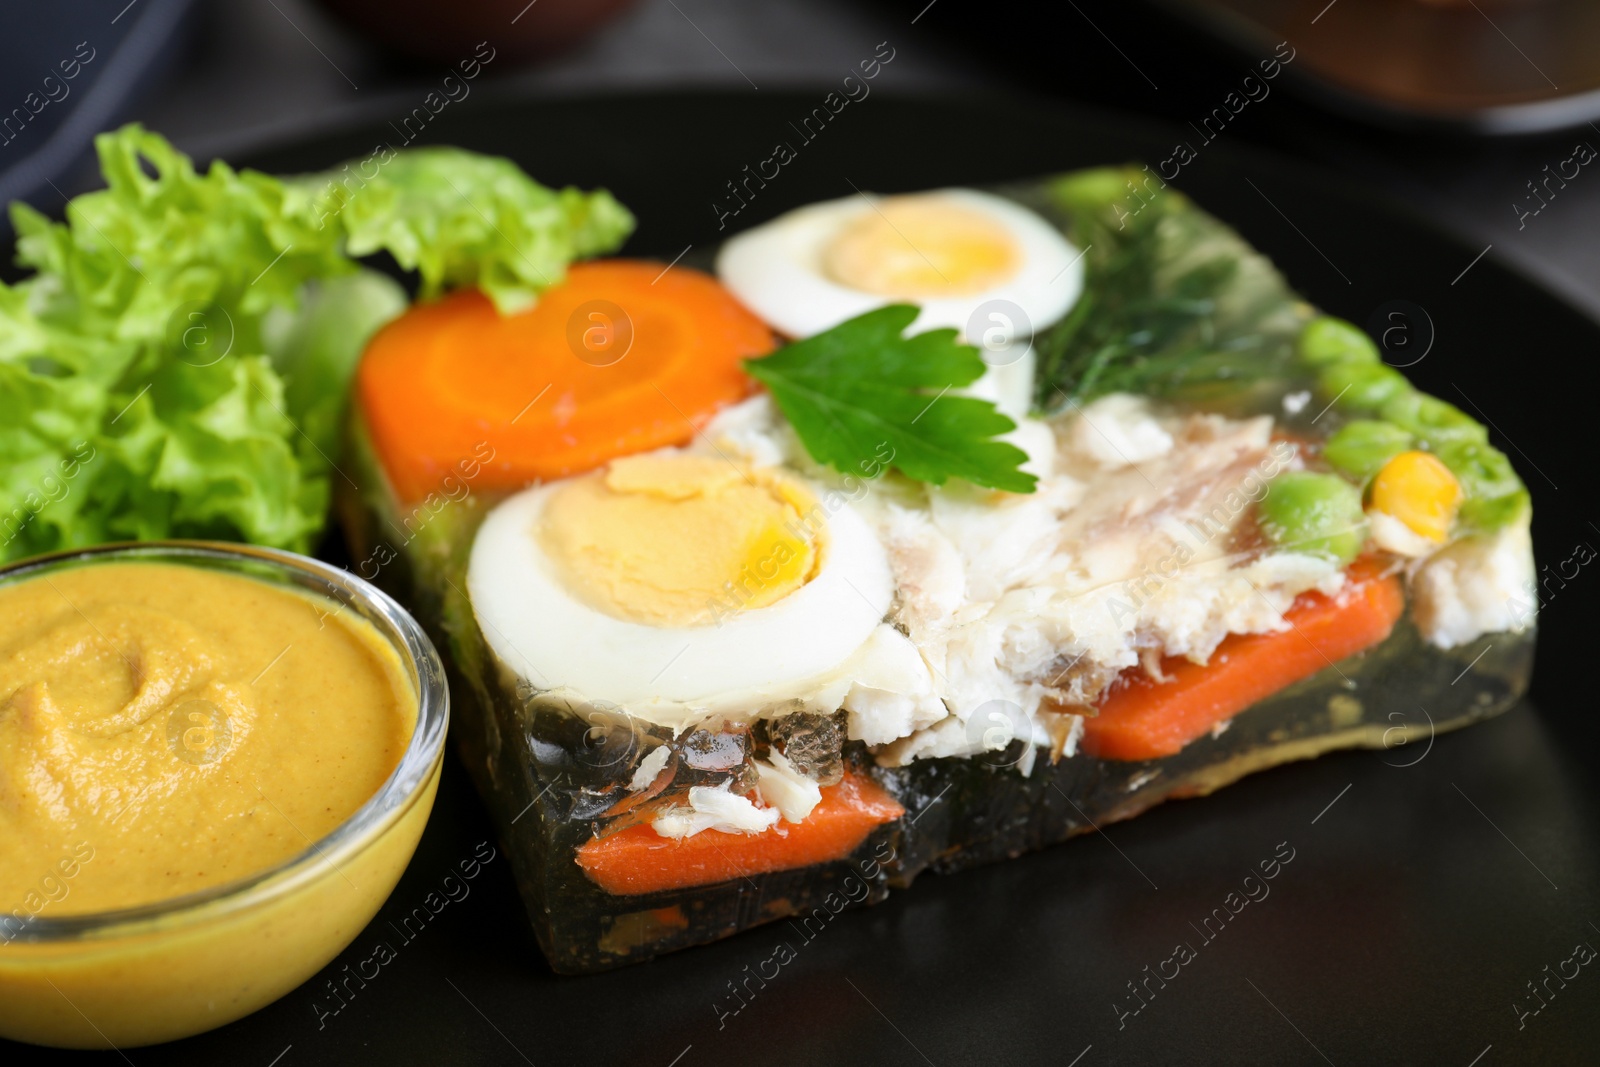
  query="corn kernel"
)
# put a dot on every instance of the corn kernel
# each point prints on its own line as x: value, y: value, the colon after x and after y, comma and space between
x: 1420, y: 491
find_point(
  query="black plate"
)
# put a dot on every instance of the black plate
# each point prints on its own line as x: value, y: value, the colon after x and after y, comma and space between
x: 1428, y: 884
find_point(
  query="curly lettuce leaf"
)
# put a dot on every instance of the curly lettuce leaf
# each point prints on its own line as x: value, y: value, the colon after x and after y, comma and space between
x: 459, y: 218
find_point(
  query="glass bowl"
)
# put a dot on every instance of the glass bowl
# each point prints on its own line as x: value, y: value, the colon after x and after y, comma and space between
x: 177, y: 967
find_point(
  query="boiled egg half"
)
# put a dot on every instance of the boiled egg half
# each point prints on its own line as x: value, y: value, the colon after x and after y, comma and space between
x: 677, y: 579
x: 979, y: 263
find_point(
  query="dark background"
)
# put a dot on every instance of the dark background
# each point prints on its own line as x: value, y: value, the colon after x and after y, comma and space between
x: 237, y: 73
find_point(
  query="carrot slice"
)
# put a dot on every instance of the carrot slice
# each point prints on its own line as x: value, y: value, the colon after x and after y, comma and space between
x: 620, y: 357
x: 1144, y: 719
x: 638, y: 860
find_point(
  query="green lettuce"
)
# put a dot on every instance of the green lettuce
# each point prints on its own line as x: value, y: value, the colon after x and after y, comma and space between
x: 461, y: 219
x: 177, y: 363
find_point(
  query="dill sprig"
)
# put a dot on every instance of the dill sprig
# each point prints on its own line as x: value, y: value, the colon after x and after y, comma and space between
x: 1175, y: 304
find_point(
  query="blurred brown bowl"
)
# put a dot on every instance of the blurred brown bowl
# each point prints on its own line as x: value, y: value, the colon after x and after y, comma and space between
x: 446, y: 32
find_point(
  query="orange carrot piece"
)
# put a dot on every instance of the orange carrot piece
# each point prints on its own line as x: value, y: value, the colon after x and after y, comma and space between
x: 620, y: 357
x: 1144, y: 719
x: 638, y: 860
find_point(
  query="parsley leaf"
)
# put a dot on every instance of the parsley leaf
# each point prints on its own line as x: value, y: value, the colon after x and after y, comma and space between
x: 856, y: 391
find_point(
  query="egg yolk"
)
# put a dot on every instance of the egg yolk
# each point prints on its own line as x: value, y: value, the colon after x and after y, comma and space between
x: 675, y: 540
x: 914, y: 247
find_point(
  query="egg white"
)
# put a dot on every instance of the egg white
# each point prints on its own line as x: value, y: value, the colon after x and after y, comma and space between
x: 548, y: 637
x: 777, y: 268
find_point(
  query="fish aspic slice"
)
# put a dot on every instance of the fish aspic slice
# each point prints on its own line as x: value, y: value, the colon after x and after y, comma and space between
x: 1247, y: 542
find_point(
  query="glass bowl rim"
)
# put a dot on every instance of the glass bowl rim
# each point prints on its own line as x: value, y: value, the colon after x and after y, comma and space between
x: 403, y: 788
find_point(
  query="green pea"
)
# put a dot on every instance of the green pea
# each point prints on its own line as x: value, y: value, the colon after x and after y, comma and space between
x: 1494, y: 512
x: 1433, y: 420
x: 1318, y: 514
x: 1326, y: 340
x: 1361, y: 387
x: 1494, y: 495
x: 1360, y: 448
x: 1483, y: 469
